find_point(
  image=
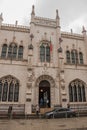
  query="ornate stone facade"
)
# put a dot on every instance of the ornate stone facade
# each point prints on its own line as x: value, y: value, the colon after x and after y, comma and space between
x: 41, y: 54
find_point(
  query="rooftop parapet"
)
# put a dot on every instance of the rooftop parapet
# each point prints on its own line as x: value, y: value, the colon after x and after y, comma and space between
x: 72, y: 35
x: 13, y: 27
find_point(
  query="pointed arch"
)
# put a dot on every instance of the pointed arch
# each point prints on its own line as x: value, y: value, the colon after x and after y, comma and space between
x: 77, y: 91
x: 12, y: 50
x: 45, y: 51
x: 9, y: 89
x: 48, y: 80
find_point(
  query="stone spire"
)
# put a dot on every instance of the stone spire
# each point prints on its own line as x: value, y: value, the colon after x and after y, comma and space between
x: 57, y: 15
x: 32, y: 13
x: 57, y: 19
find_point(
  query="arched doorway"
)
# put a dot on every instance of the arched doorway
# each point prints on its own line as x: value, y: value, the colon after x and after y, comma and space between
x: 44, y: 94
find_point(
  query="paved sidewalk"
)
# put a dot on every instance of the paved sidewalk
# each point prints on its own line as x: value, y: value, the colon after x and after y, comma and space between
x: 79, y: 123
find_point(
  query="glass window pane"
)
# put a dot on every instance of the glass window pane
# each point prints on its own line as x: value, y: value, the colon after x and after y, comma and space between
x: 73, y: 57
x: 79, y: 94
x: 68, y: 56
x: 10, y: 52
x: 48, y: 54
x: 16, y: 92
x: 14, y: 52
x: 83, y: 93
x: 10, y: 94
x: 20, y: 52
x: 70, y: 94
x: 5, y: 90
x: 75, y: 93
x: 76, y: 57
x: 4, y: 51
x: 42, y: 53
x: 81, y: 58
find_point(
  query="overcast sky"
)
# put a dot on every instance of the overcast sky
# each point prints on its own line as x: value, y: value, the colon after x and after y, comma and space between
x: 73, y: 13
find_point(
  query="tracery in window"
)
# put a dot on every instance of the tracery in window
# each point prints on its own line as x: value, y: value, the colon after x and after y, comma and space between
x: 4, y: 51
x: 12, y: 51
x: 74, y: 57
x: 9, y: 89
x: 45, y: 52
x: 77, y: 91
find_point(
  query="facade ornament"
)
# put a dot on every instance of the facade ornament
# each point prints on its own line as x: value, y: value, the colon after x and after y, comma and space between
x: 45, y: 69
x: 83, y: 29
x: 33, y: 12
x: 57, y: 15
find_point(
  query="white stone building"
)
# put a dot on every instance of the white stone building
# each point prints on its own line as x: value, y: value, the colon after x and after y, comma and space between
x: 40, y: 63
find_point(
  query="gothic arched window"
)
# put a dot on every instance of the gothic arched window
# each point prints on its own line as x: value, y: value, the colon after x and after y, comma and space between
x: 9, y: 89
x: 44, y: 52
x: 12, y: 51
x: 4, y: 51
x: 77, y: 91
x: 14, y: 55
x: 20, y: 52
x: 80, y: 58
x: 74, y: 56
x: 68, y: 56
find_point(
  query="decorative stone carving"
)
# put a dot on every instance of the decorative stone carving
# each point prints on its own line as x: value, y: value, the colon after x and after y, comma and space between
x: 45, y: 77
x: 62, y: 84
x: 31, y: 75
x: 29, y: 85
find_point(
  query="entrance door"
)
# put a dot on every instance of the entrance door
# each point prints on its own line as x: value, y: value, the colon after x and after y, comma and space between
x: 44, y: 94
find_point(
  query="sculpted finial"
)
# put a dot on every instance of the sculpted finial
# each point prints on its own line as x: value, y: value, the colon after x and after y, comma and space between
x: 33, y: 13
x: 57, y: 15
x: 83, y: 30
